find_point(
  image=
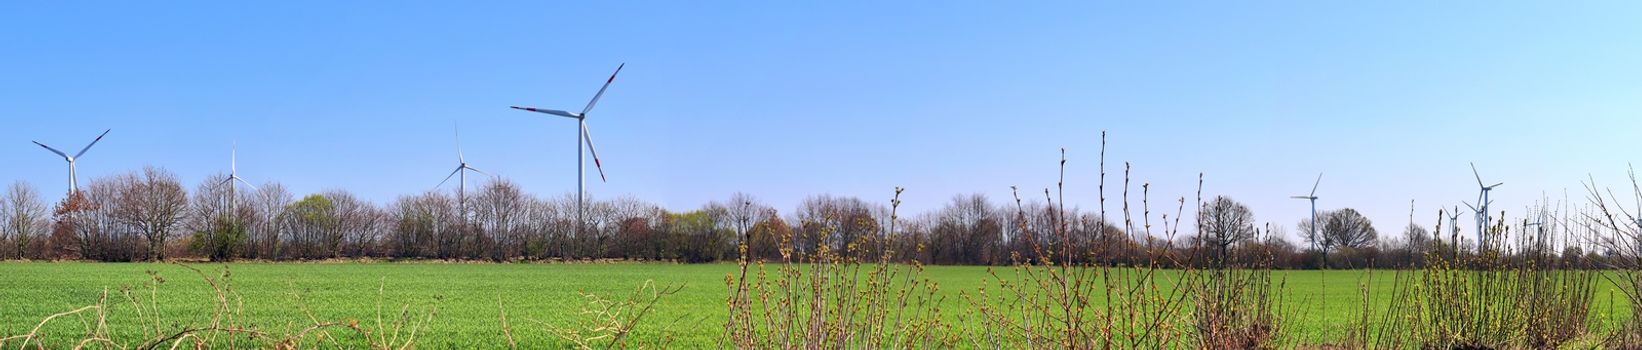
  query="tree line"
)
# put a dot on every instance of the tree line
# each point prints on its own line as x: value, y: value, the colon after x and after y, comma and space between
x: 149, y: 215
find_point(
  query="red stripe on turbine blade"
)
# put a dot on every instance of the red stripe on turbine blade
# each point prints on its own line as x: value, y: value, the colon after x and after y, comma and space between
x: 601, y: 169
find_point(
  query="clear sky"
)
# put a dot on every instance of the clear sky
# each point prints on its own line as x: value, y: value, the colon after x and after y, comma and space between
x: 782, y: 100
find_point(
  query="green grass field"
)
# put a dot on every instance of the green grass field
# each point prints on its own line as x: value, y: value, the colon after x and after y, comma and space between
x: 1317, y: 304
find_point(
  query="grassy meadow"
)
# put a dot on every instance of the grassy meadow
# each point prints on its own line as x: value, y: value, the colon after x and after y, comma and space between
x: 284, y: 297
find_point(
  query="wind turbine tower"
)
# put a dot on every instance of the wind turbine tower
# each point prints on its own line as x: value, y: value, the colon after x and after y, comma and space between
x: 73, y: 185
x: 581, y: 137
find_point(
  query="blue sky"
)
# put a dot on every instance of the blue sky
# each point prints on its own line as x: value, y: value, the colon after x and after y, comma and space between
x: 784, y: 100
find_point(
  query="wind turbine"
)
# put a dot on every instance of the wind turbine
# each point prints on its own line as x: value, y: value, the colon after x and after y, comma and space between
x: 1481, y: 218
x: 1454, y: 229
x: 1483, y: 201
x: 1539, y: 226
x: 1313, y: 198
x: 581, y: 137
x: 73, y: 185
x: 233, y: 175
x: 462, y: 168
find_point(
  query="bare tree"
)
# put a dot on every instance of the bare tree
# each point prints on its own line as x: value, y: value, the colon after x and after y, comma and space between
x: 741, y: 213
x: 218, y: 231
x: 1224, y: 222
x: 209, y: 202
x: 609, y: 217
x: 500, y: 212
x: 1409, y: 251
x: 1027, y: 226
x: 1348, y: 229
x: 153, y: 203
x: 23, y: 215
x: 99, y: 228
x: 967, y: 231
x: 548, y: 230
x: 1418, y: 237
x: 837, y: 222
x: 262, y: 219
x: 556, y: 219
x: 357, y: 226
x: 419, y: 224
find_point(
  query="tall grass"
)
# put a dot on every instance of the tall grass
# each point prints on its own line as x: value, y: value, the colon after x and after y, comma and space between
x: 1617, y: 231
x: 1065, y: 299
x: 825, y: 298
x: 1511, y: 293
x: 606, y: 323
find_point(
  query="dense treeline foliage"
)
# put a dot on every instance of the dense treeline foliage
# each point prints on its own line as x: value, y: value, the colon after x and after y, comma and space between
x: 147, y: 215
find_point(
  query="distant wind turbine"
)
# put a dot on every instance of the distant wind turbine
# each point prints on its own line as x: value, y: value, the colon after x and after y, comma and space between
x: 73, y: 185
x: 581, y: 137
x: 1454, y: 229
x: 1482, y: 202
x: 462, y: 168
x: 233, y: 175
x: 1538, y: 224
x: 1313, y: 198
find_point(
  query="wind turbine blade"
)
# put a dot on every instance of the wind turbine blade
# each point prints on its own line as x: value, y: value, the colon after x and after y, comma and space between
x: 601, y: 89
x: 1496, y: 185
x: 53, y: 150
x: 93, y: 143
x: 1474, y: 172
x: 547, y: 110
x: 1314, y: 185
x: 226, y: 181
x: 233, y: 159
x: 459, y: 156
x: 589, y: 137
x: 447, y: 177
x: 247, y: 183
x: 1468, y: 205
x: 476, y: 170
x: 1300, y: 197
